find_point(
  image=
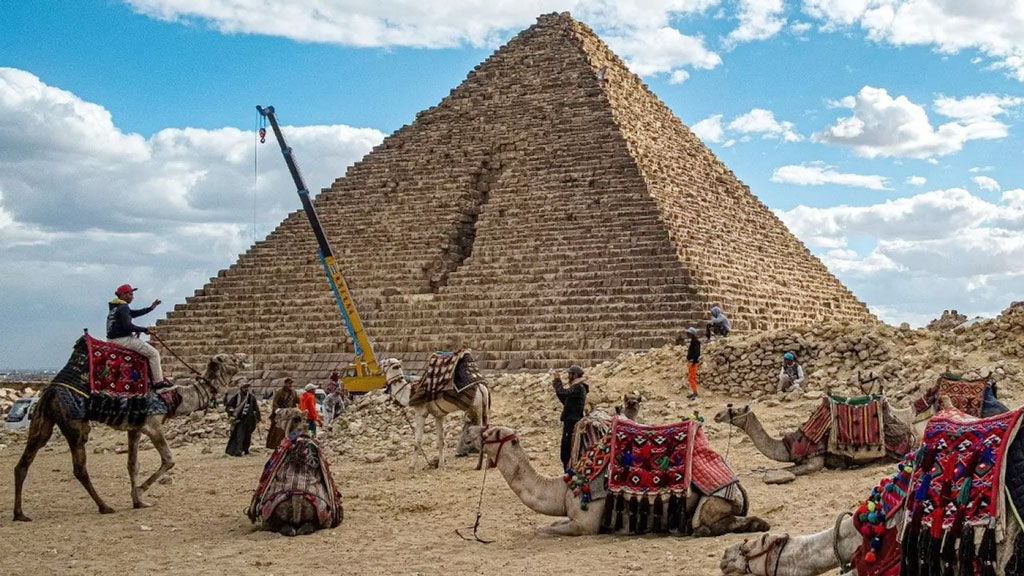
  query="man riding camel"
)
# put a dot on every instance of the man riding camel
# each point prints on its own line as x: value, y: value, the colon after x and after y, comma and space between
x: 121, y: 330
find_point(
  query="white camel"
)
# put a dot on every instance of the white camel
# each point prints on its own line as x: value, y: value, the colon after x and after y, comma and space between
x: 474, y: 401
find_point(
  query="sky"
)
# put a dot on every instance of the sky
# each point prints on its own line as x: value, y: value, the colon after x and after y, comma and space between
x: 886, y: 134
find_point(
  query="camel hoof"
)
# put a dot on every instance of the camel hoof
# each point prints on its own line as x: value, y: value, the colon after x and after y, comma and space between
x: 141, y: 504
x: 21, y: 518
x: 759, y: 525
x: 106, y: 510
x: 701, y: 532
x: 288, y: 530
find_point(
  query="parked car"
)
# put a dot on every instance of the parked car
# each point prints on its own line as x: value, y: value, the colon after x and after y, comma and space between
x: 21, y: 413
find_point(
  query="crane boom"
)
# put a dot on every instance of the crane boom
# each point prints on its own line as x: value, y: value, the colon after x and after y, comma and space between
x: 367, y: 372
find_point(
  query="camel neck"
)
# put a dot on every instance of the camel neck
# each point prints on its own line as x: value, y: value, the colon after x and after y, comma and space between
x: 770, y: 447
x: 815, y: 553
x: 542, y: 494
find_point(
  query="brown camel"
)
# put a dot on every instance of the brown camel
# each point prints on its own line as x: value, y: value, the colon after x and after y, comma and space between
x: 474, y: 401
x: 899, y: 428
x: 294, y: 514
x: 58, y: 404
x: 711, y: 515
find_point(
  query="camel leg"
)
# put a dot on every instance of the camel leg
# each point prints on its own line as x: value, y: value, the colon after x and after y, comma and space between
x: 562, y: 528
x: 155, y: 432
x: 439, y: 424
x: 717, y: 517
x: 38, y: 435
x: 77, y: 434
x: 462, y: 449
x: 807, y: 466
x: 417, y: 440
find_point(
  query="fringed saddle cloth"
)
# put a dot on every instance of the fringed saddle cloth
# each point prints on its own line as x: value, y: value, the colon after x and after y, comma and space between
x: 447, y: 372
x: 857, y: 427
x: 957, y: 485
x: 588, y: 433
x: 648, y: 472
x: 811, y: 439
x: 118, y: 383
x: 967, y: 396
x: 297, y: 467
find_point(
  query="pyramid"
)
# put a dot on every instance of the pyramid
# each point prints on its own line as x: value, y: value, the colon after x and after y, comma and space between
x: 550, y: 210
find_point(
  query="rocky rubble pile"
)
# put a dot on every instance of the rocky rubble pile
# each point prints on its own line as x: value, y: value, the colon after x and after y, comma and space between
x: 11, y: 392
x: 950, y: 319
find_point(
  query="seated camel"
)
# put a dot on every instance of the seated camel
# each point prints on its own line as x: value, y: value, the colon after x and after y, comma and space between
x: 296, y: 494
x: 809, y: 456
x: 711, y: 515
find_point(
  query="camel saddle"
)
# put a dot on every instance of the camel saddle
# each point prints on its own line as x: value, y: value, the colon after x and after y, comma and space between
x: 974, y: 397
x: 850, y: 427
x: 297, y: 467
x: 446, y: 373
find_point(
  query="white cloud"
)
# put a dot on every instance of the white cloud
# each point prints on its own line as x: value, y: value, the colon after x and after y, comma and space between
x: 759, y: 20
x: 993, y: 27
x: 987, y: 183
x: 885, y: 126
x: 980, y: 108
x: 678, y: 77
x: 709, y: 129
x: 761, y: 121
x: 977, y: 169
x: 78, y: 193
x: 818, y: 174
x: 640, y: 31
x: 919, y: 255
x: 917, y: 180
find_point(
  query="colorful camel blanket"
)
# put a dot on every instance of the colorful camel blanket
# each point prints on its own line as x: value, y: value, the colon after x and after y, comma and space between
x: 297, y: 467
x: 857, y: 427
x: 664, y: 460
x: 880, y: 552
x: 115, y: 370
x: 967, y: 396
x: 961, y: 442
x: 446, y: 372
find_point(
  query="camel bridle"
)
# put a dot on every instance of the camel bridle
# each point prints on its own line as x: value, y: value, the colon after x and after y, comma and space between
x: 778, y: 544
x: 497, y: 440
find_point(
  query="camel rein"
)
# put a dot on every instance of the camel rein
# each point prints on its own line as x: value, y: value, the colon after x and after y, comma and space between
x: 767, y: 552
x: 844, y: 567
x: 175, y: 354
x: 490, y: 464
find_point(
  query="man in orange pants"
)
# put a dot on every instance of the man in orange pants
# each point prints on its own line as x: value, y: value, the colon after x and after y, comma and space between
x: 693, y: 360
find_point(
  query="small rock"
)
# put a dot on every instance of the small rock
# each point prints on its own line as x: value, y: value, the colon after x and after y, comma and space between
x: 778, y: 477
x: 373, y: 458
x: 206, y: 450
x: 145, y: 528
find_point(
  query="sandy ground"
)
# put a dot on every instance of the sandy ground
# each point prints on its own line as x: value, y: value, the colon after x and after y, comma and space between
x: 396, y: 521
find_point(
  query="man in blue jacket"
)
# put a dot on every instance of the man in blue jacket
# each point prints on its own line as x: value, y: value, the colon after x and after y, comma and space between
x: 121, y: 330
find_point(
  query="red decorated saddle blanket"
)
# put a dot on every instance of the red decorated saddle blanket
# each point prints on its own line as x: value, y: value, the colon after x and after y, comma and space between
x: 969, y: 468
x: 115, y: 370
x: 967, y: 396
x: 664, y: 460
x: 818, y: 424
x: 446, y: 372
x: 857, y: 427
x: 297, y: 467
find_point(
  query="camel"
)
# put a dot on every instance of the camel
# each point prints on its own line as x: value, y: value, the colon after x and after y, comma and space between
x: 630, y: 407
x: 53, y: 407
x: 898, y: 427
x: 294, y: 514
x: 785, y: 555
x: 473, y: 401
x: 550, y: 495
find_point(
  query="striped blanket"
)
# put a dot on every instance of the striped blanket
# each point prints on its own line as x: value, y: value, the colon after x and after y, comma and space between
x: 858, y: 429
x: 446, y: 372
x: 297, y: 467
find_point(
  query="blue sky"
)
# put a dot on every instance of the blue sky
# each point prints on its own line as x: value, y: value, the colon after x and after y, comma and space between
x: 885, y: 133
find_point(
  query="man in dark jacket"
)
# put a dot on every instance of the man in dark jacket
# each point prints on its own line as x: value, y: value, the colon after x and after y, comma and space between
x: 121, y: 330
x: 573, y: 399
x: 245, y: 414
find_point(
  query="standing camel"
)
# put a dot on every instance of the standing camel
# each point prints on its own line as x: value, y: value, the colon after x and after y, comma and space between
x: 550, y: 495
x: 474, y: 401
x: 62, y: 404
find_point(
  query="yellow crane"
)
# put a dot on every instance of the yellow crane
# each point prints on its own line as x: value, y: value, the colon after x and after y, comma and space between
x: 364, y: 373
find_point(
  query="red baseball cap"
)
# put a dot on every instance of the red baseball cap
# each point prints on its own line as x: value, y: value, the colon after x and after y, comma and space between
x: 124, y: 289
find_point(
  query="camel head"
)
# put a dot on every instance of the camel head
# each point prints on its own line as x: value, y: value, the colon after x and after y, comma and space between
x: 756, y: 556
x: 222, y: 367
x: 631, y: 404
x: 490, y: 440
x: 734, y: 416
x: 290, y: 420
x: 399, y: 387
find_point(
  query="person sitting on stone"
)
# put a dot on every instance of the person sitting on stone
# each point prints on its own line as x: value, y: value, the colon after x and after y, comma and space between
x: 791, y: 377
x: 573, y: 400
x: 719, y: 323
x: 121, y: 330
